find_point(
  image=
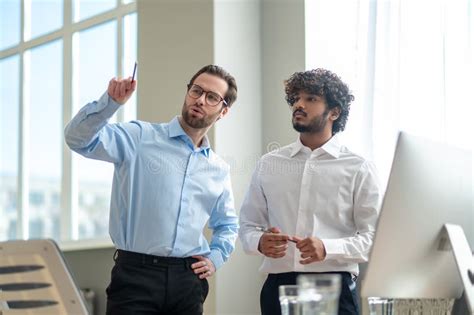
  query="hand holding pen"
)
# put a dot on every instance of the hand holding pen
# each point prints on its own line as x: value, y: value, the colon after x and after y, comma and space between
x: 271, y: 230
x: 272, y: 243
x: 120, y: 90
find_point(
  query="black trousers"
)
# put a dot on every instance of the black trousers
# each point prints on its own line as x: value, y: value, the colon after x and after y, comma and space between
x: 269, y: 298
x: 147, y: 284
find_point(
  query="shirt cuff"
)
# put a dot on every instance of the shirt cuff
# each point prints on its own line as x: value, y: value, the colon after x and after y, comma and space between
x: 216, y: 257
x: 105, y: 107
x: 253, y: 242
x: 334, y: 248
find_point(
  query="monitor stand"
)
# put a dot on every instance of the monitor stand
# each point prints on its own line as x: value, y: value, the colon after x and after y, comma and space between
x: 454, y: 239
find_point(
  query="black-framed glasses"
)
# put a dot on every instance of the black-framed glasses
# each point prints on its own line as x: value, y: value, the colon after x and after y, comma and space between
x: 212, y: 98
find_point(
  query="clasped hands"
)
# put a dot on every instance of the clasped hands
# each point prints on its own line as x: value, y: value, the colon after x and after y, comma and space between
x: 274, y: 244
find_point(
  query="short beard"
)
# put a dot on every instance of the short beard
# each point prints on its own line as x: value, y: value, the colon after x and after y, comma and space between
x: 316, y: 125
x: 197, y: 123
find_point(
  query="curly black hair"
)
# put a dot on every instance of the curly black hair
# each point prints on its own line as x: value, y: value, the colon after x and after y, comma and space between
x: 326, y: 84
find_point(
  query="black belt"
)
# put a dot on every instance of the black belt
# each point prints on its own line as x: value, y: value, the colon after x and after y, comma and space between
x: 287, y: 274
x: 145, y: 259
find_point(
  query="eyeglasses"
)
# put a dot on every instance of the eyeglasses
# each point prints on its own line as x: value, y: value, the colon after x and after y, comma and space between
x: 212, y: 99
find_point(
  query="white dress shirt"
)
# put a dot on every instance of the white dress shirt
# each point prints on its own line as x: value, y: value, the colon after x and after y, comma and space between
x: 330, y: 193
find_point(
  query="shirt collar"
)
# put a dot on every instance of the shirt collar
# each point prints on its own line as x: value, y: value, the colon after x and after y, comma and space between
x: 332, y: 147
x: 175, y: 130
x: 297, y: 146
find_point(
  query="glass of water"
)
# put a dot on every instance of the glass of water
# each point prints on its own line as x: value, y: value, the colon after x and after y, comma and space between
x: 289, y: 300
x: 319, y: 293
x: 380, y: 306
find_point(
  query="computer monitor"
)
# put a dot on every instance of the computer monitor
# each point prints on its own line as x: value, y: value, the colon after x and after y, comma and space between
x: 430, y: 184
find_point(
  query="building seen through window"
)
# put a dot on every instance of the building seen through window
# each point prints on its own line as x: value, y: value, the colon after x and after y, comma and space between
x: 57, y: 66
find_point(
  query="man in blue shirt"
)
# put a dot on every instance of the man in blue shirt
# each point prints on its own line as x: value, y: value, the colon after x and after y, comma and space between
x: 167, y: 185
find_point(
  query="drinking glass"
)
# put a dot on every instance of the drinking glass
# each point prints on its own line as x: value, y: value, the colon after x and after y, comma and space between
x: 289, y: 299
x: 380, y: 306
x: 319, y: 293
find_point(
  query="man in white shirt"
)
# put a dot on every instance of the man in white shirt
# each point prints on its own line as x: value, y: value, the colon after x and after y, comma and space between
x: 316, y: 201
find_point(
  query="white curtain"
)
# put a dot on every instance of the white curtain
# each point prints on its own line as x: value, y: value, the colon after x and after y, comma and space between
x: 410, y: 64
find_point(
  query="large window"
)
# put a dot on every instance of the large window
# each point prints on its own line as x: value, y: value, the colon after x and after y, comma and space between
x: 56, y: 56
x: 43, y: 72
x: 9, y: 149
x: 92, y: 184
x: 410, y: 65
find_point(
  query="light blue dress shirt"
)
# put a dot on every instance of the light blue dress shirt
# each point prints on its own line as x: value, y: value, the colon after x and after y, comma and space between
x: 164, y: 190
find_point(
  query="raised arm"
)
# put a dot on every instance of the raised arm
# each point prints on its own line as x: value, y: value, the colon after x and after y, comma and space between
x: 89, y: 133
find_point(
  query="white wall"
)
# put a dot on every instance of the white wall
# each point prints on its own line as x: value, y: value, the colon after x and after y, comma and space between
x: 96, y: 278
x: 283, y: 53
x: 237, y: 47
x: 174, y: 41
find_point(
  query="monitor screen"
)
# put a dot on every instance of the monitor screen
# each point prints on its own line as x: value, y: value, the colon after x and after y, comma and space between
x: 430, y: 184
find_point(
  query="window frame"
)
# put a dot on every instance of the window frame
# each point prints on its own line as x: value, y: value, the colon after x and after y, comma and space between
x: 69, y: 223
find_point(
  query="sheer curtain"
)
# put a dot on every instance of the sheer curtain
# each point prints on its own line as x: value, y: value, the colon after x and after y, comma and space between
x: 410, y: 64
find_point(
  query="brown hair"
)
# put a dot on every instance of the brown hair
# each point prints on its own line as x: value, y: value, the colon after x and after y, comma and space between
x: 231, y: 94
